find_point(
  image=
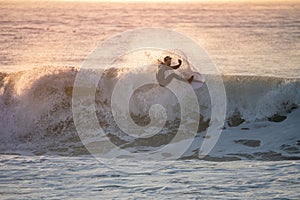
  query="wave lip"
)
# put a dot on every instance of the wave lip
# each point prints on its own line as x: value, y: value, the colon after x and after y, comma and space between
x: 36, y: 114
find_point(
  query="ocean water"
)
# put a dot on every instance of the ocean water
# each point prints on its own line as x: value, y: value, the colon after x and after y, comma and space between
x: 256, y: 39
x: 51, y: 177
x: 256, y: 49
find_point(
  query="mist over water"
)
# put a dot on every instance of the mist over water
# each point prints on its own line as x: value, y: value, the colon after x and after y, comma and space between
x: 251, y: 39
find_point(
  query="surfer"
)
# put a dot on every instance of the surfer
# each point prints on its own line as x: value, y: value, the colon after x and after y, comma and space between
x: 165, y: 66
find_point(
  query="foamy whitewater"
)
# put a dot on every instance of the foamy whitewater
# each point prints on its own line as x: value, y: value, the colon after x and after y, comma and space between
x: 254, y: 46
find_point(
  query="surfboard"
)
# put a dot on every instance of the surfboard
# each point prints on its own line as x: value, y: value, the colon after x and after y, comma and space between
x: 198, y: 80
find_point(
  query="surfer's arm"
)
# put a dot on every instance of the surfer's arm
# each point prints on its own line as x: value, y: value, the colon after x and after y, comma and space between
x: 177, y: 66
x: 160, y: 62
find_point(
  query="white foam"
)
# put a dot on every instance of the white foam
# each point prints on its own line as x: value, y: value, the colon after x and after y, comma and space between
x: 36, y: 105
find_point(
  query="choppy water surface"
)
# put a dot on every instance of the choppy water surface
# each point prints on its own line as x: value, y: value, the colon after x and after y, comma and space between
x: 54, y: 177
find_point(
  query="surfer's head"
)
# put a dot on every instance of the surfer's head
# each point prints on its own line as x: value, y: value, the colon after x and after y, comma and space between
x: 167, y: 60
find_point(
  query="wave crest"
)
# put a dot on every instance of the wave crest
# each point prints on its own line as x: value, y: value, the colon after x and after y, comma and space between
x: 36, y: 108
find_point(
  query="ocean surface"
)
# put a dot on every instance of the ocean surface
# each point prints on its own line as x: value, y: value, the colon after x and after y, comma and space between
x: 44, y: 154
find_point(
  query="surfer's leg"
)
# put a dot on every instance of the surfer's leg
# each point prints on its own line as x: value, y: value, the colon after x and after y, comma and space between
x: 168, y: 79
x: 173, y: 75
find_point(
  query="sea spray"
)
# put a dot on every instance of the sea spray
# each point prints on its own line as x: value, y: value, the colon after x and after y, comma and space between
x: 36, y: 110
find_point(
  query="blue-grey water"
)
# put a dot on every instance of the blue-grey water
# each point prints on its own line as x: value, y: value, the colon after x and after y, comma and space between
x: 52, y: 177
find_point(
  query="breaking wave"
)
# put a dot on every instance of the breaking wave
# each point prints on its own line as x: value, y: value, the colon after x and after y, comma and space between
x: 36, y: 106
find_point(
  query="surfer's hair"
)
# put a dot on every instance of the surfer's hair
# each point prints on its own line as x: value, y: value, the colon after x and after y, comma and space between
x: 167, y: 58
